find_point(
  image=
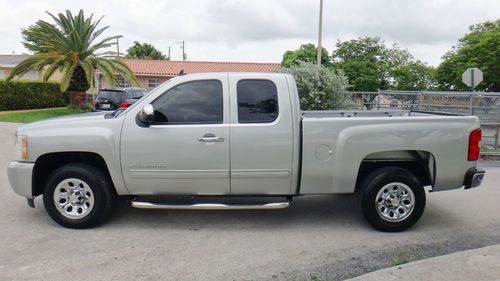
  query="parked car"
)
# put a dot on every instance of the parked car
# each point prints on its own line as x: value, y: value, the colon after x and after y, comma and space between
x: 112, y: 99
x: 240, y: 141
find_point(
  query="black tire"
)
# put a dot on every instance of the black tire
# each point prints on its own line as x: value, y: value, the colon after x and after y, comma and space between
x: 102, y: 193
x: 375, y: 182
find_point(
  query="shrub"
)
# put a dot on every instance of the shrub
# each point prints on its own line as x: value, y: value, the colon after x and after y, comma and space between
x: 320, y: 88
x: 16, y: 95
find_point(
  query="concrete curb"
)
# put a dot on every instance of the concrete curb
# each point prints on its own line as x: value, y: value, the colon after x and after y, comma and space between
x: 478, y: 264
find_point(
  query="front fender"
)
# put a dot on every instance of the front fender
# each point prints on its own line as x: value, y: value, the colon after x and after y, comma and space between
x: 100, y: 137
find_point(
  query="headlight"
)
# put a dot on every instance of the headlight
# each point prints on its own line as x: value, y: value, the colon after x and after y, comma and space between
x: 22, y: 147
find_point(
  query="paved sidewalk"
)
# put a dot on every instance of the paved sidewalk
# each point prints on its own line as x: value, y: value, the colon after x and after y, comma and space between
x: 478, y: 264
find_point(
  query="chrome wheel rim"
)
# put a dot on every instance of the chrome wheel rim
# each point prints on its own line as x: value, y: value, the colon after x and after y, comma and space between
x: 395, y: 202
x: 73, y: 198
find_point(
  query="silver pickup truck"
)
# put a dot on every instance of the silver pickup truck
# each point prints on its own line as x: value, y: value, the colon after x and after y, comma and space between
x: 240, y: 141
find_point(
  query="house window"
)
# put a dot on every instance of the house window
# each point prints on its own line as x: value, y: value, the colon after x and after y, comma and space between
x: 2, y: 74
x: 121, y: 82
x: 153, y: 83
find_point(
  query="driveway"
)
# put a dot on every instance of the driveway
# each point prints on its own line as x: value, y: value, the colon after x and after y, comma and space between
x: 317, y: 236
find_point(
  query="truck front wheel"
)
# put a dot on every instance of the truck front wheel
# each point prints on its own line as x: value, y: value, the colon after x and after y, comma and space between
x: 78, y: 196
x: 392, y: 199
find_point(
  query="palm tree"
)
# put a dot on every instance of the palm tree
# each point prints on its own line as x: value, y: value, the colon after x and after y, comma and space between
x: 68, y: 47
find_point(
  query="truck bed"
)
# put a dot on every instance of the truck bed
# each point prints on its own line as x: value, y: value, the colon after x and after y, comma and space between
x: 336, y: 142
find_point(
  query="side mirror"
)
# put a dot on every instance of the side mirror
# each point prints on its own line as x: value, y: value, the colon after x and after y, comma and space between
x: 147, y: 114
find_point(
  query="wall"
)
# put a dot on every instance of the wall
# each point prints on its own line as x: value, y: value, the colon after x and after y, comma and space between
x: 34, y: 75
x: 143, y: 81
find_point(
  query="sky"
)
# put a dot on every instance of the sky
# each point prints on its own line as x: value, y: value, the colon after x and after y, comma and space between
x: 260, y: 30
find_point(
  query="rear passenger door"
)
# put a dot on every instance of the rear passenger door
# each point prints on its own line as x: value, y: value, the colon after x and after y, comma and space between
x: 261, y: 134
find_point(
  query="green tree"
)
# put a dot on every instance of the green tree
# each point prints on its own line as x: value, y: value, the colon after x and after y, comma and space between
x: 144, y: 51
x: 319, y: 87
x: 307, y: 53
x: 68, y: 47
x: 31, y: 41
x: 478, y: 48
x: 413, y: 76
x: 364, y: 62
x: 371, y: 66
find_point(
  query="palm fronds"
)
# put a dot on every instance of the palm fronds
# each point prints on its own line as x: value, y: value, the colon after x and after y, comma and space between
x: 69, y: 44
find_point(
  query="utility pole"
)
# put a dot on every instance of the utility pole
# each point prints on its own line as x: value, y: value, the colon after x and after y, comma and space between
x: 118, y: 45
x: 168, y: 53
x: 320, y: 32
x: 96, y: 84
x: 183, y: 47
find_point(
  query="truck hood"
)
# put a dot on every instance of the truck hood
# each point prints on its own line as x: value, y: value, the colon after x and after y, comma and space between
x: 77, y: 120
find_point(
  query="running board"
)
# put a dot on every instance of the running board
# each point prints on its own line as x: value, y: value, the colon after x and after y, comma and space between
x: 208, y: 206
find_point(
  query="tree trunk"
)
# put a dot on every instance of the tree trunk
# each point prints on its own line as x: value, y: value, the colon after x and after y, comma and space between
x: 78, y: 87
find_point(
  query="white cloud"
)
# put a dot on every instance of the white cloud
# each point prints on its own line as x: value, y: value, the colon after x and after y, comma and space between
x: 262, y: 30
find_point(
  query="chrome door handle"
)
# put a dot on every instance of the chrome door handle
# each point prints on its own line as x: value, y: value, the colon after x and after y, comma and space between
x: 210, y: 138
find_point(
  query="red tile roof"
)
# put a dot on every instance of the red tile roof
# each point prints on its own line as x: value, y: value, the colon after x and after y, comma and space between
x: 171, y: 68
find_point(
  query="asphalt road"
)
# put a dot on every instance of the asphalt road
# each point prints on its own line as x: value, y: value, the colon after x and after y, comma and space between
x: 317, y: 236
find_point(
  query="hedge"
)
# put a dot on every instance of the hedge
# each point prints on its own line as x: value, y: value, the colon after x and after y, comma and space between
x: 18, y: 94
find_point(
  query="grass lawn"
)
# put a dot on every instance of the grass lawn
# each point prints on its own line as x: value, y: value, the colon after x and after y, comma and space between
x: 37, y: 115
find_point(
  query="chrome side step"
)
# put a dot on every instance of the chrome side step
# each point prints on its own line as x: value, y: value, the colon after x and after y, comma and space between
x: 208, y: 206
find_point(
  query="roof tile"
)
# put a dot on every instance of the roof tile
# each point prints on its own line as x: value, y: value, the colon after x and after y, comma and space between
x: 170, y: 68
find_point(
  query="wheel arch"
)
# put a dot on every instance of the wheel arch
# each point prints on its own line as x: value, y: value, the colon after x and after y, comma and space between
x: 421, y: 163
x: 48, y: 163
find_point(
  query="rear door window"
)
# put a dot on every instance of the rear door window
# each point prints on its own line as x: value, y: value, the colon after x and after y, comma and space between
x: 257, y: 101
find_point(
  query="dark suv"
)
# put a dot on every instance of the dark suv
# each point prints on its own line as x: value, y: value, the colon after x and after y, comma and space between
x: 112, y: 99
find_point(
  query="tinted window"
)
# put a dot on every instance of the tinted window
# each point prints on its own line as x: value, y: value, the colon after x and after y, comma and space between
x: 197, y: 102
x: 257, y: 101
x: 113, y: 96
x: 134, y: 94
x: 129, y: 94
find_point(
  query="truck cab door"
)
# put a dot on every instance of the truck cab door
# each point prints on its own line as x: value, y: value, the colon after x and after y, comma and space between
x: 261, y: 134
x: 186, y: 149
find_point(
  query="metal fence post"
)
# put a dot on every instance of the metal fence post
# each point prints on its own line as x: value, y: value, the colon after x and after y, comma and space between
x: 471, y: 104
x: 420, y: 100
x: 496, y: 135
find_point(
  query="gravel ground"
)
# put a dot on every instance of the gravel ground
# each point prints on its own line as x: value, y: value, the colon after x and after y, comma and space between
x: 322, y: 236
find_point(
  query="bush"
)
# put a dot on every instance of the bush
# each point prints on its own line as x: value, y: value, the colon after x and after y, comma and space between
x: 320, y: 88
x: 16, y: 95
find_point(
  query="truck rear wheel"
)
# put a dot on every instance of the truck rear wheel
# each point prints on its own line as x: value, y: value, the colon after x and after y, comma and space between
x: 392, y: 199
x: 78, y: 196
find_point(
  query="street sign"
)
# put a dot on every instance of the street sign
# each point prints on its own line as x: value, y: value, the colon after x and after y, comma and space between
x: 472, y: 77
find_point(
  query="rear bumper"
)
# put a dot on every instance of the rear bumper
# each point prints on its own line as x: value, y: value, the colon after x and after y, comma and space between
x: 20, y: 174
x: 473, y: 178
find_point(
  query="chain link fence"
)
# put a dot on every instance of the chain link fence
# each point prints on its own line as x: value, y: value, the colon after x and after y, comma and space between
x: 484, y: 105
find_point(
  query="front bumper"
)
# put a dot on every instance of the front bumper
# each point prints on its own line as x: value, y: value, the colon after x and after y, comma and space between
x: 473, y: 178
x: 20, y: 175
